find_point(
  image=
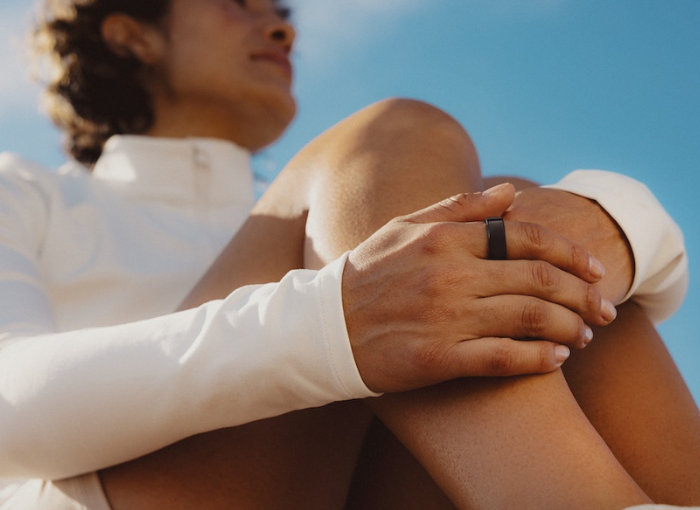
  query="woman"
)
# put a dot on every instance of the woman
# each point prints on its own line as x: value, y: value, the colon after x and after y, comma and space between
x: 128, y: 243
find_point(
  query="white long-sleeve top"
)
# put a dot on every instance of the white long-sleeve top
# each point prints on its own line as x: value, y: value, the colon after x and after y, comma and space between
x: 94, y: 370
x: 127, y: 244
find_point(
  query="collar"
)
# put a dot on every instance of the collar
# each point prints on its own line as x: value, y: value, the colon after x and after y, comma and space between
x: 187, y: 171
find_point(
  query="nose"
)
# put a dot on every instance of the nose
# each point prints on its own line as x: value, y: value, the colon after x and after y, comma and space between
x: 281, y: 32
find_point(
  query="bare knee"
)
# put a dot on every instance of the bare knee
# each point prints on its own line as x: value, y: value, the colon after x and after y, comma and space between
x: 400, y: 109
x: 395, y: 142
x: 413, y: 121
x: 389, y: 159
x: 520, y: 183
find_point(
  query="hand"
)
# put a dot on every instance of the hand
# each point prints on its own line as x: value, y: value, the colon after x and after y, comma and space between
x: 584, y: 221
x: 422, y: 305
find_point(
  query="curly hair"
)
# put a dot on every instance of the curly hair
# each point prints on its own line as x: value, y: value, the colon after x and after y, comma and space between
x: 93, y: 93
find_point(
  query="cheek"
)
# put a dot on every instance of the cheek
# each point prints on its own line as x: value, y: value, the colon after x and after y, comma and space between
x: 208, y: 73
x: 207, y: 57
x: 230, y: 11
x: 209, y: 25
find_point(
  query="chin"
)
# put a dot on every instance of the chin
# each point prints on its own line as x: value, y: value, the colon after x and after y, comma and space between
x: 275, y: 118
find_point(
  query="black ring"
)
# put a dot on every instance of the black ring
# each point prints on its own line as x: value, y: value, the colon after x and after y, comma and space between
x: 496, y: 231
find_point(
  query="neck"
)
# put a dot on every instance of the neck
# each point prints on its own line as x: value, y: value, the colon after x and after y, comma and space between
x: 196, y: 122
x: 250, y: 130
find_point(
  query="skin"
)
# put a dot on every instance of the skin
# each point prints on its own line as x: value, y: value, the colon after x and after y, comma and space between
x: 306, y: 459
x: 212, y: 61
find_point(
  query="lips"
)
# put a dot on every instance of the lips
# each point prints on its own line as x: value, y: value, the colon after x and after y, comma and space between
x: 281, y: 60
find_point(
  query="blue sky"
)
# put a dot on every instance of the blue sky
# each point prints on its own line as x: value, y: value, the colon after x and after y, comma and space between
x: 543, y: 86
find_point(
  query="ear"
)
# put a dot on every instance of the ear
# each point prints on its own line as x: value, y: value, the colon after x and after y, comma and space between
x: 126, y: 36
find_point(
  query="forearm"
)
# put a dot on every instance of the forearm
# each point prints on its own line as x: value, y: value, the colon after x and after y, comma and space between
x: 84, y: 400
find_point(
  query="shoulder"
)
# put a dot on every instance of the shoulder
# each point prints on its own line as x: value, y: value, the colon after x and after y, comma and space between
x: 27, y: 191
x: 20, y: 179
x: 18, y: 174
x: 22, y: 176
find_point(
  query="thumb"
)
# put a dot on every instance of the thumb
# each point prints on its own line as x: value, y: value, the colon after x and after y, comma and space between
x: 467, y: 206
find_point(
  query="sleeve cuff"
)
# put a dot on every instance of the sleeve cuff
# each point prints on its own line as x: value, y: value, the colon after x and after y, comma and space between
x: 332, y: 319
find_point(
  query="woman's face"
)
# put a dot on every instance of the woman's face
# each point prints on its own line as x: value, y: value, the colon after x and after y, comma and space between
x: 226, y: 63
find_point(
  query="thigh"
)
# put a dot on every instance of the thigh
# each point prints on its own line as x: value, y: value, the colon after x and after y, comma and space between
x: 302, y: 460
x: 630, y: 389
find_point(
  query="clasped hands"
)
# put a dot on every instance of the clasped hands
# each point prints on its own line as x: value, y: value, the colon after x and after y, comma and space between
x: 423, y: 304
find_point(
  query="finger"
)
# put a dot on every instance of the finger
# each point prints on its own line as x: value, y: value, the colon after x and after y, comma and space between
x: 501, y: 357
x: 525, y: 317
x: 542, y: 280
x: 531, y: 241
x: 467, y: 206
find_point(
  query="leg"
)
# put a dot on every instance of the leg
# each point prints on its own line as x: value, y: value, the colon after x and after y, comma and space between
x: 389, y: 477
x: 483, y: 441
x: 631, y: 391
x: 299, y: 460
x: 380, y: 155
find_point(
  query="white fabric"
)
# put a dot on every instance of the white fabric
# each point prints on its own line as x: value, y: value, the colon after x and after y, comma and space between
x: 661, y: 264
x: 146, y: 226
x: 77, y: 493
x: 661, y: 507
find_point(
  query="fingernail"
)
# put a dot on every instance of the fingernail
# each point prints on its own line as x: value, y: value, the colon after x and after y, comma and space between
x: 595, y: 267
x: 588, y: 336
x: 562, y: 353
x: 496, y: 189
x: 608, y: 311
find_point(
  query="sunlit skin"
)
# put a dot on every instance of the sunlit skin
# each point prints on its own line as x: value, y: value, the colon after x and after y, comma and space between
x: 215, y: 68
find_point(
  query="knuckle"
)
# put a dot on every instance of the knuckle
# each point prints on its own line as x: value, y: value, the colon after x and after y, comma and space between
x: 544, y: 358
x: 535, y: 235
x: 427, y: 358
x: 578, y: 257
x: 438, y: 236
x: 533, y: 319
x: 544, y: 276
x: 429, y: 242
x: 503, y: 361
x: 593, y: 299
x: 458, y: 203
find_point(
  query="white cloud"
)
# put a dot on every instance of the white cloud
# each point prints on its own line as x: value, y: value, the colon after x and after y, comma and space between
x: 328, y: 26
x: 17, y: 92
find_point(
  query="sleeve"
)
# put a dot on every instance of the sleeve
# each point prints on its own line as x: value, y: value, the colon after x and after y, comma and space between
x: 24, y: 303
x: 79, y: 401
x: 661, y: 263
